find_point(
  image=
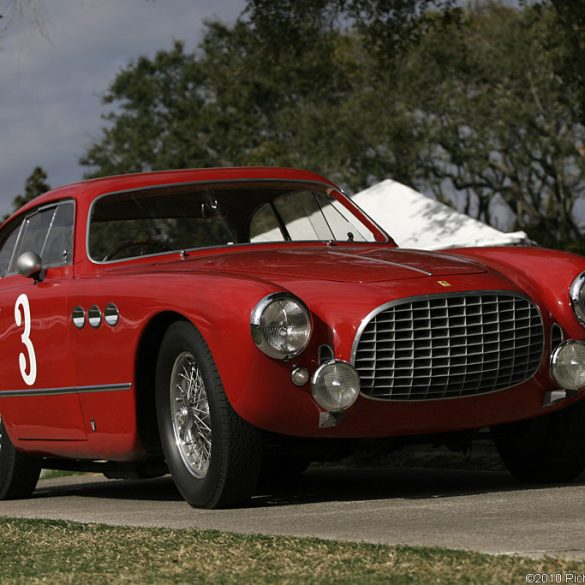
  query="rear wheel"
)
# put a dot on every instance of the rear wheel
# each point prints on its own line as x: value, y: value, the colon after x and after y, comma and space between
x: 213, y: 455
x: 19, y: 472
x: 547, y: 449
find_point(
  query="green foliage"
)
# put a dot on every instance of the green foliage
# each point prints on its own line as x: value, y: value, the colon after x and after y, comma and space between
x: 470, y: 105
x: 274, y: 89
x: 387, y: 27
x: 498, y: 127
x: 569, y: 27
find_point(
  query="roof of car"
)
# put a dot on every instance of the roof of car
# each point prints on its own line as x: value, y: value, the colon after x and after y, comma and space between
x: 93, y: 187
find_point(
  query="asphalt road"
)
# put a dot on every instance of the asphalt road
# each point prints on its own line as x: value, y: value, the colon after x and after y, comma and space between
x: 482, y: 511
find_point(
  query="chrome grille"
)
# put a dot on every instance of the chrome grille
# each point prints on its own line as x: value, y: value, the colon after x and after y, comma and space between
x: 448, y: 346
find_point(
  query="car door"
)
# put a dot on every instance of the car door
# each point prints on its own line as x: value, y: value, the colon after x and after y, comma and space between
x: 38, y: 399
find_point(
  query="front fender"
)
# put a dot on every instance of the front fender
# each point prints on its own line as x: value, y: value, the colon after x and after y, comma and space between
x: 543, y: 274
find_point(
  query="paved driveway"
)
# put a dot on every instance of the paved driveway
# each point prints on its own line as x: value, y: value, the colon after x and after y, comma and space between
x: 482, y: 511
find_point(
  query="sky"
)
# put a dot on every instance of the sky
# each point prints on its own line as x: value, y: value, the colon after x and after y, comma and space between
x: 52, y: 79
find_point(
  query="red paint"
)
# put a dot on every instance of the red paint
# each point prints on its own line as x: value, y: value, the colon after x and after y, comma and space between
x: 216, y: 289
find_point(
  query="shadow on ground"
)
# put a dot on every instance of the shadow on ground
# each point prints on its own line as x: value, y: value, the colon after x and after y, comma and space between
x: 318, y: 484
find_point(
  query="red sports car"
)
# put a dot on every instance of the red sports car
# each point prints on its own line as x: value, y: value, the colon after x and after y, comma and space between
x: 222, y: 324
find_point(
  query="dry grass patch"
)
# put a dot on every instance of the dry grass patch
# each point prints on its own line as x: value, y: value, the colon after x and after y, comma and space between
x: 38, y: 551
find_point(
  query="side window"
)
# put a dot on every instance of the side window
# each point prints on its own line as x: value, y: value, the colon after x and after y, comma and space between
x: 49, y: 233
x: 35, y: 230
x: 58, y: 248
x: 8, y: 239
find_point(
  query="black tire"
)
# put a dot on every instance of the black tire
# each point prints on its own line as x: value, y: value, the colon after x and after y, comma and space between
x: 19, y: 473
x: 547, y: 449
x: 226, y: 474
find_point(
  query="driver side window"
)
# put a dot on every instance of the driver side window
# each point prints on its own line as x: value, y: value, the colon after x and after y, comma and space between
x: 8, y: 239
x: 47, y: 232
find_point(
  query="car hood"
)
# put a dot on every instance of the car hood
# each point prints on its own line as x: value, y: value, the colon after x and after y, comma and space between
x: 332, y: 263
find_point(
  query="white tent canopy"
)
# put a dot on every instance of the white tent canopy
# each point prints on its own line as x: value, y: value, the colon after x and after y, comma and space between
x: 415, y: 221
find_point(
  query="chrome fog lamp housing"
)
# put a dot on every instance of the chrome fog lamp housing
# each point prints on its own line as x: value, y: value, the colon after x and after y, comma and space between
x: 577, y: 296
x: 335, y: 386
x: 568, y: 365
x: 281, y: 326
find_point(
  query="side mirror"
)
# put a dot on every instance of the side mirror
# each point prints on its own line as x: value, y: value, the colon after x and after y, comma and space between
x: 30, y: 265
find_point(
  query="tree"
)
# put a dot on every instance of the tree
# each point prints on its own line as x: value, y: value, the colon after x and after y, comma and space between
x: 291, y: 83
x: 35, y: 185
x: 569, y: 25
x: 387, y: 27
x: 497, y: 125
x: 235, y: 105
x: 468, y: 105
x: 13, y: 10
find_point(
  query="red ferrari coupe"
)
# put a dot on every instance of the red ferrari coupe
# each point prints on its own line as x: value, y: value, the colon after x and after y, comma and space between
x: 222, y: 324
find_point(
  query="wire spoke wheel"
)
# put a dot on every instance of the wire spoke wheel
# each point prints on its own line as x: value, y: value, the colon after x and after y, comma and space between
x: 213, y: 455
x: 190, y: 415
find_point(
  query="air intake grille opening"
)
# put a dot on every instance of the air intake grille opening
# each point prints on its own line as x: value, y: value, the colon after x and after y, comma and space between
x: 449, y: 346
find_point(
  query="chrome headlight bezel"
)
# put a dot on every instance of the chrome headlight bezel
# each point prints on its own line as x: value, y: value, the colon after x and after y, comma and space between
x: 577, y: 301
x: 258, y: 329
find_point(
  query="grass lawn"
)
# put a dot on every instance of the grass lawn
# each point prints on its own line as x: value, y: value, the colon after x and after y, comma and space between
x: 40, y: 551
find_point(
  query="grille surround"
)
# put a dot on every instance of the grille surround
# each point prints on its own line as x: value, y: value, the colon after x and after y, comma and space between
x: 475, y: 378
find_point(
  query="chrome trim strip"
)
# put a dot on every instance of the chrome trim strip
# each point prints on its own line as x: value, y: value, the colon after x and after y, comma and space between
x: 574, y: 291
x: 94, y: 316
x: 556, y: 329
x: 380, y: 261
x: 66, y: 390
x: 555, y: 396
x: 325, y: 354
x: 78, y: 317
x: 403, y: 300
x: 111, y: 315
x: 258, y: 334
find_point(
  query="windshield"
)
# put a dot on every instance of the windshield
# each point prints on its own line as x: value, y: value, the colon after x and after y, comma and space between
x: 147, y: 222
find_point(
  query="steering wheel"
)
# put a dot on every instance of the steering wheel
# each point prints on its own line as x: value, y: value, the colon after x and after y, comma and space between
x: 136, y: 243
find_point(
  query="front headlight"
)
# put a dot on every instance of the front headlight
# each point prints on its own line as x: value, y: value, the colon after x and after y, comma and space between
x: 281, y: 326
x: 577, y: 294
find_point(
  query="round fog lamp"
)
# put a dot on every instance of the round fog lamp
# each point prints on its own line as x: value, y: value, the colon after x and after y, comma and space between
x: 335, y: 386
x: 568, y: 365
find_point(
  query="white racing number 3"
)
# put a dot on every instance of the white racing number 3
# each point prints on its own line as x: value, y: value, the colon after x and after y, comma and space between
x: 23, y: 304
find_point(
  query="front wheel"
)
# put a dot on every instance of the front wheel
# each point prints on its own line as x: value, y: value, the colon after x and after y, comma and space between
x: 19, y: 472
x: 213, y: 455
x: 547, y: 449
